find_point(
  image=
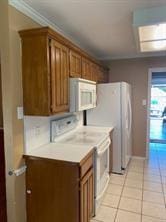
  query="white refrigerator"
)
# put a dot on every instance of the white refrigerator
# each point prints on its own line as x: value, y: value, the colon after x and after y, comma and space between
x: 114, y: 109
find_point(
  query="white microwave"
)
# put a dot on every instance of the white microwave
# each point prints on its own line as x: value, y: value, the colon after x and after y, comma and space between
x: 82, y: 94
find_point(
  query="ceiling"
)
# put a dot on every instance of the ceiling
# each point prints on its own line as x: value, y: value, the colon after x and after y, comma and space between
x: 102, y: 27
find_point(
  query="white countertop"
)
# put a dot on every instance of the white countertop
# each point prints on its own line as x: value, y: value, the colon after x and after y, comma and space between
x: 67, y: 151
x: 60, y: 151
x: 97, y: 128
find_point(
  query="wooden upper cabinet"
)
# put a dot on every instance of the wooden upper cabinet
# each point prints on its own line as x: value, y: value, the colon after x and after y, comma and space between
x: 45, y: 70
x: 75, y: 64
x: 86, y: 69
x: 48, y: 59
x: 102, y: 75
x: 99, y: 74
x: 94, y: 72
x: 59, y: 77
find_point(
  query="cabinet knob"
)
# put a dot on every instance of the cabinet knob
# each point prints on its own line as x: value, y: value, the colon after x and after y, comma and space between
x: 29, y: 191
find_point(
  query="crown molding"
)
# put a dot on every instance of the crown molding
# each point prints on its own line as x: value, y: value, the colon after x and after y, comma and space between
x: 109, y: 58
x: 23, y: 7
x: 41, y: 20
x: 33, y: 14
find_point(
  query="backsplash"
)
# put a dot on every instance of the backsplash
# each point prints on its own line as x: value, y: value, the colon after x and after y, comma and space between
x: 37, y: 129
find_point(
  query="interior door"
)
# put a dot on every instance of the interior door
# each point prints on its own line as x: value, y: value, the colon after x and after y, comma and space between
x: 2, y: 180
x: 126, y: 123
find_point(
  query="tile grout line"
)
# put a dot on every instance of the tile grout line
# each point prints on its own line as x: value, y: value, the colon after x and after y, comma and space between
x: 161, y: 179
x: 157, y: 159
x: 127, y: 171
x: 116, y: 208
x: 142, y: 192
x: 120, y: 196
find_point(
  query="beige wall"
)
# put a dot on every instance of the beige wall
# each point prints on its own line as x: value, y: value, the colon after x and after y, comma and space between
x: 135, y: 72
x: 1, y: 112
x: 10, y: 48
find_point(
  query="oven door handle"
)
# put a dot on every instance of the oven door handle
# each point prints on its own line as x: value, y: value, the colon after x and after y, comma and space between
x: 104, y: 190
x: 99, y: 153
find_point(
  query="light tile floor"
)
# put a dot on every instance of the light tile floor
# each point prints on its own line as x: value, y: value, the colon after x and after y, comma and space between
x: 140, y: 194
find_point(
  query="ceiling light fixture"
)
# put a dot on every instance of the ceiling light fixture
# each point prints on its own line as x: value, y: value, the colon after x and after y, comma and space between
x: 150, y: 29
x: 152, y: 37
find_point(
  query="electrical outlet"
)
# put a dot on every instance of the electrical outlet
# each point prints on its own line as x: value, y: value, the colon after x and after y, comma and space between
x: 144, y: 102
x: 37, y: 130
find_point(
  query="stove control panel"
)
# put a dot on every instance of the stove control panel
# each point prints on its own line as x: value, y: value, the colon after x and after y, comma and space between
x: 61, y: 126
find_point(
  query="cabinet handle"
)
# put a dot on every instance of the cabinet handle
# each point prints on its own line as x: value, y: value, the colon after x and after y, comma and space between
x: 29, y: 191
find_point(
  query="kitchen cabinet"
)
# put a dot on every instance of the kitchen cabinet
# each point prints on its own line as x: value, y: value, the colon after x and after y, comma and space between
x: 87, y: 208
x: 102, y: 75
x: 45, y: 70
x: 59, y: 77
x: 99, y: 74
x: 75, y: 64
x: 94, y: 72
x: 59, y: 190
x: 48, y: 60
x: 86, y: 69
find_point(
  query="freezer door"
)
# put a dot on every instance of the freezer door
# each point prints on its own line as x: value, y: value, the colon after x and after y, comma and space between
x: 108, y: 113
x: 126, y: 123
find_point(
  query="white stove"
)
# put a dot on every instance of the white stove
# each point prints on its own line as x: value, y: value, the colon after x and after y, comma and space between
x: 82, y: 136
x: 67, y: 131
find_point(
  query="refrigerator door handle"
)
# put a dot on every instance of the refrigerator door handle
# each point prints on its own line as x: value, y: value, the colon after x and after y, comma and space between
x: 130, y: 115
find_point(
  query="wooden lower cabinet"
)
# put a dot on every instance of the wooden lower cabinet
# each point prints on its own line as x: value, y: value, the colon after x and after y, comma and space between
x: 56, y: 192
x: 87, y: 197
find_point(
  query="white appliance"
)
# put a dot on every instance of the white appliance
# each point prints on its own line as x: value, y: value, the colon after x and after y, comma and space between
x: 82, y: 94
x: 66, y: 131
x: 114, y: 109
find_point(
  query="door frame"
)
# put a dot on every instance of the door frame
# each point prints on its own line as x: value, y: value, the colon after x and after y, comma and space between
x: 150, y: 71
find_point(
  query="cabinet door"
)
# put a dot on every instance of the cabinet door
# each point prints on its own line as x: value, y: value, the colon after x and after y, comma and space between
x: 87, y: 197
x: 102, y: 75
x: 86, y: 69
x: 52, y: 191
x: 75, y: 64
x: 94, y: 71
x: 59, y: 77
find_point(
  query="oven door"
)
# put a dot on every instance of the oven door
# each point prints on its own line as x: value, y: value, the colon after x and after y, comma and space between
x: 102, y: 173
x: 87, y: 96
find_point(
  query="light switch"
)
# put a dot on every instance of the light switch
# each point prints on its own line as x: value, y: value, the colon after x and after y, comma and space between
x: 144, y: 102
x: 20, y: 113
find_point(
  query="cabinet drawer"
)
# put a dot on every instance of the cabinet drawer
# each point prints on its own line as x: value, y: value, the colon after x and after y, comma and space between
x: 87, y: 164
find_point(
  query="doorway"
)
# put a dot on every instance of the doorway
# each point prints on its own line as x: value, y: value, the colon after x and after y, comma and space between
x: 156, y: 109
x: 3, y: 214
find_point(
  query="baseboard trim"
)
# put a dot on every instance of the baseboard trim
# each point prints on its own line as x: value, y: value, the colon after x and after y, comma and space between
x: 138, y: 158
